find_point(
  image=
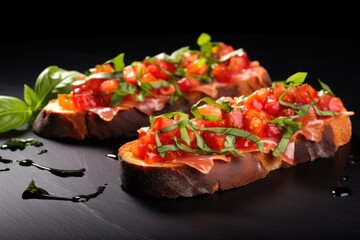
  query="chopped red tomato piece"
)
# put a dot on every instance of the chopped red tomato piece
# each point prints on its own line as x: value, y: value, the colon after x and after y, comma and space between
x: 214, y: 140
x: 221, y: 73
x: 306, y: 94
x: 188, y: 58
x: 87, y: 101
x: 220, y: 50
x: 109, y: 86
x: 255, y: 121
x: 160, y: 70
x: 187, y: 84
x: 238, y: 63
x: 336, y: 104
x: 198, y: 67
x: 104, y: 68
x: 210, y: 110
x: 65, y: 101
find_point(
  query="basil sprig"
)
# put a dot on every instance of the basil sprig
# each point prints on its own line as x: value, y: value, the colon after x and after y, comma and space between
x: 15, y: 112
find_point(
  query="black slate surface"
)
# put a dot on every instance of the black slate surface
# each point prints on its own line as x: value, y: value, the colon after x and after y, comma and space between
x: 294, y: 203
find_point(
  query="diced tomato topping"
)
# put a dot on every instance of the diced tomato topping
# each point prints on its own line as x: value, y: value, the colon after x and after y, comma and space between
x: 238, y: 63
x: 188, y: 58
x: 210, y: 110
x: 289, y: 96
x: 187, y: 84
x: 109, y: 86
x: 273, y: 131
x: 336, y: 104
x: 160, y: 70
x: 86, y: 101
x: 272, y: 105
x: 234, y: 119
x: 305, y: 94
x: 214, y: 140
x: 147, y: 140
x: 169, y: 90
x: 257, y: 99
x: 162, y: 122
x: 104, y: 68
x: 221, y: 49
x: 255, y: 121
x: 221, y: 73
x: 198, y: 68
x: 148, y: 77
x: 330, y: 103
x: 65, y: 101
x: 129, y: 75
x: 242, y: 144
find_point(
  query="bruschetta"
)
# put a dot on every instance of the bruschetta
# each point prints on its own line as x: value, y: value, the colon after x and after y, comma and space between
x: 115, y: 100
x: 231, y: 142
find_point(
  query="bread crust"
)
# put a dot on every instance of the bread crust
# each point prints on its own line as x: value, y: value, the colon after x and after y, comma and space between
x: 179, y: 180
x: 56, y: 123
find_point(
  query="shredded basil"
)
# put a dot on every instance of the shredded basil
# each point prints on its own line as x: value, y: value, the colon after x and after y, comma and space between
x: 224, y: 106
x: 325, y: 87
x: 290, y: 126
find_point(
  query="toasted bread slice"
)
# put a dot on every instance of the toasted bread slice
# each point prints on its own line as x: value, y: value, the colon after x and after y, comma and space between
x: 55, y: 122
x: 179, y: 180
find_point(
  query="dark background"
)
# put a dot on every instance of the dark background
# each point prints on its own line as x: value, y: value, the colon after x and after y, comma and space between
x: 294, y: 203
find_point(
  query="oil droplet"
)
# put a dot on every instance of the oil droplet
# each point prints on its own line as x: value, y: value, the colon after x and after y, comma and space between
x: 112, y: 156
x: 43, y: 151
x: 344, y: 177
x: 341, y: 192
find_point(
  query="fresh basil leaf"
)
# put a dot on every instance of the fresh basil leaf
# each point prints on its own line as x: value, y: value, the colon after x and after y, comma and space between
x: 189, y: 149
x: 158, y: 145
x: 195, y: 111
x: 48, y: 80
x: 184, y: 133
x: 176, y: 56
x: 326, y: 87
x: 118, y: 62
x: 225, y: 106
x: 203, y: 39
x: 124, y: 89
x: 30, y: 97
x: 199, y: 140
x: 237, y: 133
x: 162, y: 150
x: 324, y: 112
x: 290, y: 127
x: 154, y: 85
x: 296, y: 79
x: 103, y: 75
x: 13, y: 113
x: 169, y: 128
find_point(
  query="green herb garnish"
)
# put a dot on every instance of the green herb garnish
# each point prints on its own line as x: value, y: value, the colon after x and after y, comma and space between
x: 15, y: 112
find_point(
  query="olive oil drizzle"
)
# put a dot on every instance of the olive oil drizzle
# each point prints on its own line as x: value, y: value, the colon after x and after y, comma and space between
x: 35, y: 192
x: 55, y: 171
